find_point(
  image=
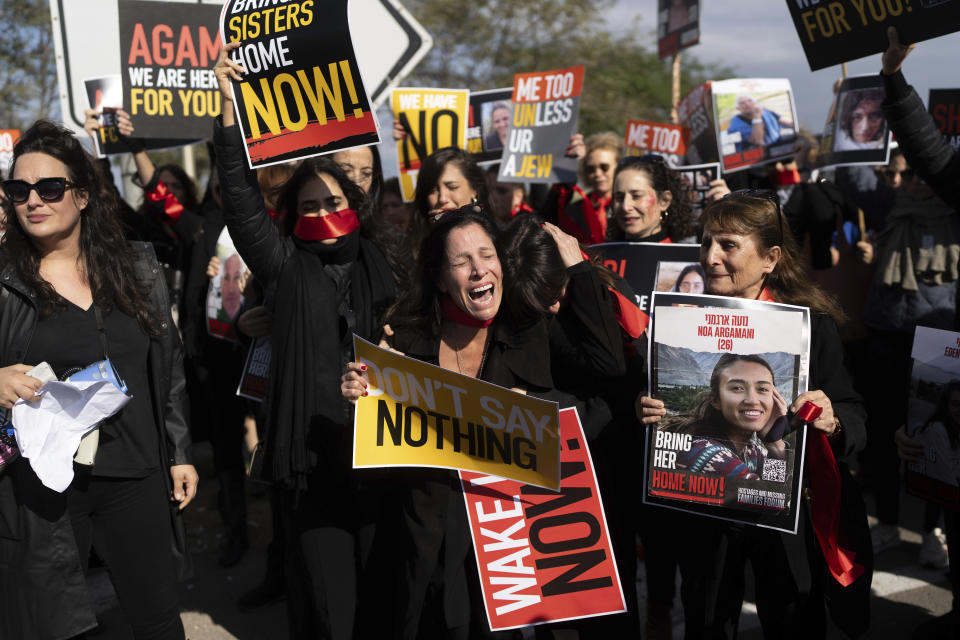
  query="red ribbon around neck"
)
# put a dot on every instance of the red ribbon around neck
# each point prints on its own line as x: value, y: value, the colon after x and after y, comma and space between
x: 629, y: 316
x: 329, y: 227
x: 453, y: 313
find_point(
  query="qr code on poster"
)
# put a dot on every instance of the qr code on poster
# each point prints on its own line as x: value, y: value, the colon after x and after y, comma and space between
x: 775, y: 470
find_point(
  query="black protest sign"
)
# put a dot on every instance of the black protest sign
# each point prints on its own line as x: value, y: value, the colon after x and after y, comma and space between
x: 944, y: 105
x: 856, y: 130
x: 167, y: 52
x: 652, y: 266
x: 695, y: 112
x: 678, y: 25
x: 545, y: 109
x: 488, y: 124
x: 302, y: 94
x: 106, y: 95
x: 837, y: 31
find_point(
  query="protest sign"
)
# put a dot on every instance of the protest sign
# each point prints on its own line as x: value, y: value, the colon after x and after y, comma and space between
x: 544, y: 556
x: 695, y: 113
x: 545, y: 109
x: 225, y: 294
x: 678, y: 25
x: 944, y: 106
x: 933, y: 416
x: 640, y: 264
x: 302, y: 94
x: 489, y: 123
x: 843, y: 30
x: 667, y: 140
x: 726, y: 370
x: 756, y: 121
x: 256, y: 370
x: 8, y: 138
x: 106, y: 95
x: 419, y: 415
x: 697, y: 180
x: 167, y: 51
x: 432, y: 119
x: 856, y: 129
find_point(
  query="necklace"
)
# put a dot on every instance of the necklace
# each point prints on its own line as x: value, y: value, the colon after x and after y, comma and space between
x: 483, y: 357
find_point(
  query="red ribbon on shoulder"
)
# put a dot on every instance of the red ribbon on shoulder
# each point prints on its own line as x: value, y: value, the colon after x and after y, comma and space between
x: 329, y: 227
x: 630, y: 317
x: 825, y: 493
x: 453, y: 313
x: 666, y: 241
x: 171, y: 206
x: 594, y: 215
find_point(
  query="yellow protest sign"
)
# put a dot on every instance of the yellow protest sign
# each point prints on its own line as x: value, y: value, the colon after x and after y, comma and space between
x: 432, y: 119
x: 419, y: 415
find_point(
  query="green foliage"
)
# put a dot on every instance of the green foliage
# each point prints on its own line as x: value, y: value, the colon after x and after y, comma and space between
x: 679, y: 399
x: 481, y: 44
x: 28, y: 69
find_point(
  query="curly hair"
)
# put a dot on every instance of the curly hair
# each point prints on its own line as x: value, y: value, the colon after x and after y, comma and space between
x: 678, y: 220
x: 106, y: 258
x: 605, y: 140
x: 850, y: 104
x: 384, y: 235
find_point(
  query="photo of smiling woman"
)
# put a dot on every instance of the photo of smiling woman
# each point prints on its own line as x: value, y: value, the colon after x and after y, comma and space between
x: 734, y: 421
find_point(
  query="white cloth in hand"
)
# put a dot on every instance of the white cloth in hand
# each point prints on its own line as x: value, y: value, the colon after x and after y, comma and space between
x: 48, y: 432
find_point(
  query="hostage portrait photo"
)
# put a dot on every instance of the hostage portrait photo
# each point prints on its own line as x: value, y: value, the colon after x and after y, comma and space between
x: 495, y: 122
x: 856, y: 130
x: 756, y: 121
x: 225, y: 294
x: 680, y: 277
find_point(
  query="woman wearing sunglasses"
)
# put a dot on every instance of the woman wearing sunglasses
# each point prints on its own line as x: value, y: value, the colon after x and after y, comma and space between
x: 75, y: 292
x: 748, y: 252
x: 650, y: 203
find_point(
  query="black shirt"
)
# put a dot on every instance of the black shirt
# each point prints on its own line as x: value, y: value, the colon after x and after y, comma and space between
x: 69, y: 340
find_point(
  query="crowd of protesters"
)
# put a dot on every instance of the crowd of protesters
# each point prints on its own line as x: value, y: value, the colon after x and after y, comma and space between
x: 480, y: 278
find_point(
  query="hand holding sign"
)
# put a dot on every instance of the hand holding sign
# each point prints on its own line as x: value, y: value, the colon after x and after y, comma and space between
x: 226, y: 70
x: 896, y: 53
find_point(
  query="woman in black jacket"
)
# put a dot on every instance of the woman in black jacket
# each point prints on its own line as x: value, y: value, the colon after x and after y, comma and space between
x: 334, y: 274
x: 748, y: 252
x: 75, y: 292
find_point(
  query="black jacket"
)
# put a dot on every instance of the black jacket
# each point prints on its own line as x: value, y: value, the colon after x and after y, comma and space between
x: 41, y: 574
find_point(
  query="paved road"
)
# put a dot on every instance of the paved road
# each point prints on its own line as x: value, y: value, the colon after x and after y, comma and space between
x: 905, y: 594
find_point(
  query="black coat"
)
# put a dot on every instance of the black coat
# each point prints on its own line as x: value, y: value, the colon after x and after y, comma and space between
x: 41, y: 573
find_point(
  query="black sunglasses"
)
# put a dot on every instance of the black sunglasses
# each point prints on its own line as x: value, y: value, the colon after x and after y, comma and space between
x: 763, y: 194
x: 49, y: 189
x: 603, y: 166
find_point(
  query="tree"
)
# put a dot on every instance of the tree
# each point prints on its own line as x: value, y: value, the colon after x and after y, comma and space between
x: 28, y: 68
x: 481, y: 44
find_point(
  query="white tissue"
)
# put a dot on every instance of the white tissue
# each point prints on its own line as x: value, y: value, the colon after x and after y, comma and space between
x: 48, y: 431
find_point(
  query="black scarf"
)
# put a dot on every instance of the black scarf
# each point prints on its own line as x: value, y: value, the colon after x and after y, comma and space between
x: 314, y: 316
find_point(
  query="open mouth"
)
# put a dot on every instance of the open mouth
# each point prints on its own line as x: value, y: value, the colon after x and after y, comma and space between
x: 481, y: 293
x: 752, y: 414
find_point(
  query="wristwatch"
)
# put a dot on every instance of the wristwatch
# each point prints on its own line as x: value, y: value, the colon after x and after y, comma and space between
x: 757, y: 121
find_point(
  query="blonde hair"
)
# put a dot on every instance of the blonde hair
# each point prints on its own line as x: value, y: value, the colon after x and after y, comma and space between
x: 605, y: 140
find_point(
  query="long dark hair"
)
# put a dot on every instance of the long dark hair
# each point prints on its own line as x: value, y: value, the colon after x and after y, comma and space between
x: 107, y: 259
x: 189, y: 186
x: 942, y: 414
x: 430, y: 172
x: 690, y: 268
x: 533, y: 271
x: 853, y: 100
x: 387, y: 238
x: 759, y: 217
x: 420, y: 306
x: 705, y: 419
x: 677, y: 221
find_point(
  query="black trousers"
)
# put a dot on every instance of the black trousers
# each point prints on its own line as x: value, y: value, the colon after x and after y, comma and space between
x: 128, y: 522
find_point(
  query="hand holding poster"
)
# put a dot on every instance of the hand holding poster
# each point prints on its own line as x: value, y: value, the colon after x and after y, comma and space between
x: 432, y: 119
x: 302, y: 94
x: 726, y: 370
x: 933, y: 416
x: 489, y: 124
x: 225, y: 295
x: 543, y: 556
x: 420, y: 415
x: 756, y: 121
x: 944, y: 105
x: 844, y: 30
x: 678, y: 25
x: 167, y: 51
x: 856, y: 129
x: 545, y: 109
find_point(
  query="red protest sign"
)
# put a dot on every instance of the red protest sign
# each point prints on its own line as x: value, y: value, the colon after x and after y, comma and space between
x: 544, y: 556
x: 657, y: 137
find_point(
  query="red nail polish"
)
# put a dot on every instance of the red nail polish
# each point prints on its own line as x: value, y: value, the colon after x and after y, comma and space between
x: 363, y: 367
x: 364, y: 392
